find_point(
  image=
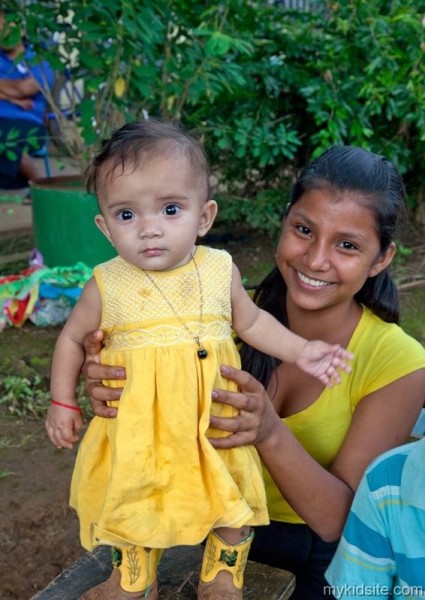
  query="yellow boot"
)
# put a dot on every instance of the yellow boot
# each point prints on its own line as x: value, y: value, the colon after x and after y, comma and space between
x: 133, y: 576
x: 223, y: 568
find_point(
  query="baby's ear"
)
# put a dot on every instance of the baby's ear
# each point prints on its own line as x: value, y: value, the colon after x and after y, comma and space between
x: 100, y: 223
x: 207, y: 217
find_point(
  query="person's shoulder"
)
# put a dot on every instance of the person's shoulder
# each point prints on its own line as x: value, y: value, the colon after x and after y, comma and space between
x: 215, y: 255
x: 371, y: 320
x: 384, y: 332
x: 117, y: 261
x: 387, y: 468
x: 214, y: 251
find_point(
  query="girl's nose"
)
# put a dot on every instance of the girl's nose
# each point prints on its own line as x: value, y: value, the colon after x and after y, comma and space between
x: 317, y: 257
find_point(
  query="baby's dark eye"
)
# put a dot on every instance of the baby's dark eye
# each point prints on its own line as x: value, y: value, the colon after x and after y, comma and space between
x: 125, y: 215
x: 171, y: 209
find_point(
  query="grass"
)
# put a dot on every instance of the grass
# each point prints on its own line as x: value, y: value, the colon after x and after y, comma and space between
x: 6, y: 442
x: 12, y: 246
x: 13, y: 198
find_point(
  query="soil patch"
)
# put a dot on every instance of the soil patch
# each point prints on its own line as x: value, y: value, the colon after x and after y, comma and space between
x: 38, y: 531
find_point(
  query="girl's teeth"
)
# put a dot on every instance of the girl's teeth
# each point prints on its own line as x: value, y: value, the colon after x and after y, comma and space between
x: 312, y: 282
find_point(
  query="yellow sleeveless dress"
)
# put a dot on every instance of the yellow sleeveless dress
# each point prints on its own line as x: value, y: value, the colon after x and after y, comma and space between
x: 150, y: 477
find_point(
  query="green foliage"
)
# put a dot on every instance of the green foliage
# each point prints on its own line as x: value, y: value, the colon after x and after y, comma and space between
x: 29, y: 398
x: 367, y: 83
x: 267, y: 88
x: 8, y: 144
x: 24, y: 397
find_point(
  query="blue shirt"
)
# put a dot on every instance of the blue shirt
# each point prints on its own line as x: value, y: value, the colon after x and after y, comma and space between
x: 41, y: 72
x: 382, y: 550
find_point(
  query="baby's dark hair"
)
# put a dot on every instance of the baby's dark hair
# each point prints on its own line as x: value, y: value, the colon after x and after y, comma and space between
x: 141, y: 140
x: 377, y: 184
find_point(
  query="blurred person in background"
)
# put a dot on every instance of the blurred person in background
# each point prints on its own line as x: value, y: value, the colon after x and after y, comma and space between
x: 22, y: 106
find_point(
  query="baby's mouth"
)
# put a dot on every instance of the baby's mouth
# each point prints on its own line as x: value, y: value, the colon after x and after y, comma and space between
x: 313, y: 282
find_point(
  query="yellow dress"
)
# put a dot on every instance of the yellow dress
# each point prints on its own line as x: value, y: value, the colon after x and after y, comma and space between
x: 150, y: 477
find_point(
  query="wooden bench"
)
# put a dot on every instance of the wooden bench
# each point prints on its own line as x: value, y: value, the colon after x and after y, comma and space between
x: 177, y: 574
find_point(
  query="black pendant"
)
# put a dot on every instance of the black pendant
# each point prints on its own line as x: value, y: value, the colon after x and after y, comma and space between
x: 202, y: 353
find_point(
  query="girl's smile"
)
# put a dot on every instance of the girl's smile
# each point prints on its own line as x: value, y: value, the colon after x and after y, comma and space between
x: 308, y: 281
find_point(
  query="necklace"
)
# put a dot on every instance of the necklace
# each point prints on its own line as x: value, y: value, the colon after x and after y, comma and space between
x: 201, y: 352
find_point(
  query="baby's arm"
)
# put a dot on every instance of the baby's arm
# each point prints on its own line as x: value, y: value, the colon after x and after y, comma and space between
x: 62, y: 422
x: 261, y: 330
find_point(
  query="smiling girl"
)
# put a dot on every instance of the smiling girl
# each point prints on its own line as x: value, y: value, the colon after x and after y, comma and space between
x: 332, y: 282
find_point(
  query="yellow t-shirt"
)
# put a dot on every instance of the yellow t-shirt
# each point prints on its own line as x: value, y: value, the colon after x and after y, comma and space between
x: 383, y: 353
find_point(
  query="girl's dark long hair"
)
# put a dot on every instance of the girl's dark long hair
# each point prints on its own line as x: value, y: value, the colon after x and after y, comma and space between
x: 378, y: 185
x: 270, y: 295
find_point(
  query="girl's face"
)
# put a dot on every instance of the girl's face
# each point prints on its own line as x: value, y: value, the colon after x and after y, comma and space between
x: 328, y: 248
x: 154, y: 213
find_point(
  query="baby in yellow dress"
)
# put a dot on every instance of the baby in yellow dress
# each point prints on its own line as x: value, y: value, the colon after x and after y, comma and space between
x: 150, y: 479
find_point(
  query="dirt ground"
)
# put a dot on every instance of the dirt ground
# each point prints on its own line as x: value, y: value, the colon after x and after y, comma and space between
x: 38, y: 531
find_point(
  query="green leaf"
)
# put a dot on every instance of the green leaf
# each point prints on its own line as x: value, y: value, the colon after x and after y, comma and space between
x: 218, y: 44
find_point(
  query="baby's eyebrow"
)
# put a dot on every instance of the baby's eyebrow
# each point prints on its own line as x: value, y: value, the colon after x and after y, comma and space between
x: 173, y: 197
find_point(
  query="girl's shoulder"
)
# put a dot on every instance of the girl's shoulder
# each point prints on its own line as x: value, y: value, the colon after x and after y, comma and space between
x: 383, y: 352
x: 372, y: 330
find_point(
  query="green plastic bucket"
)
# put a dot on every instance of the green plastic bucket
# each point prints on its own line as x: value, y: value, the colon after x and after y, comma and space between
x: 63, y: 220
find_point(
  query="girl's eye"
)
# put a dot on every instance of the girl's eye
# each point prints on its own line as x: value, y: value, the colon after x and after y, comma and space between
x: 303, y: 229
x: 170, y: 210
x: 348, y: 246
x: 125, y: 215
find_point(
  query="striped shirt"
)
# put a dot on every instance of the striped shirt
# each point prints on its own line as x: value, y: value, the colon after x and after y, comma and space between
x: 382, y: 550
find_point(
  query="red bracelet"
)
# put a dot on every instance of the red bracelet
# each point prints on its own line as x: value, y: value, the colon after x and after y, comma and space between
x: 77, y: 408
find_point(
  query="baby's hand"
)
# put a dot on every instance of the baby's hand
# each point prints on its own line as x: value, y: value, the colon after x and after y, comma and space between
x: 323, y: 361
x: 62, y: 424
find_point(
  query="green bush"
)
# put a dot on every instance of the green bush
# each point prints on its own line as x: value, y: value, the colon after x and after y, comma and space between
x: 266, y: 87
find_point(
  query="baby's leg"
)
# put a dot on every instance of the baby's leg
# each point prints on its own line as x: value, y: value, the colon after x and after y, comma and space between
x: 133, y: 576
x: 223, y: 565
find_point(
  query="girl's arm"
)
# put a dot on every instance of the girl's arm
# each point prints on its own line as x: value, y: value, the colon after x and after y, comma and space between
x: 262, y: 331
x: 322, y: 498
x: 68, y: 358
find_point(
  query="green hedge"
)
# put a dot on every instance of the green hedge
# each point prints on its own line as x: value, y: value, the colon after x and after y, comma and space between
x: 268, y: 88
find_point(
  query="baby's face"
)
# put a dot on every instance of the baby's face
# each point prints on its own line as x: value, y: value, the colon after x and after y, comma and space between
x: 153, y: 214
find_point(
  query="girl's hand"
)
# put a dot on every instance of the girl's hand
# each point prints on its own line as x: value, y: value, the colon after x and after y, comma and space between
x: 94, y: 373
x: 323, y: 361
x: 257, y: 420
x: 62, y: 424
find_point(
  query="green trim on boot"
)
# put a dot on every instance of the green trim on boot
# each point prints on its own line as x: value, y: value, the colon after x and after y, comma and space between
x: 223, y: 567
